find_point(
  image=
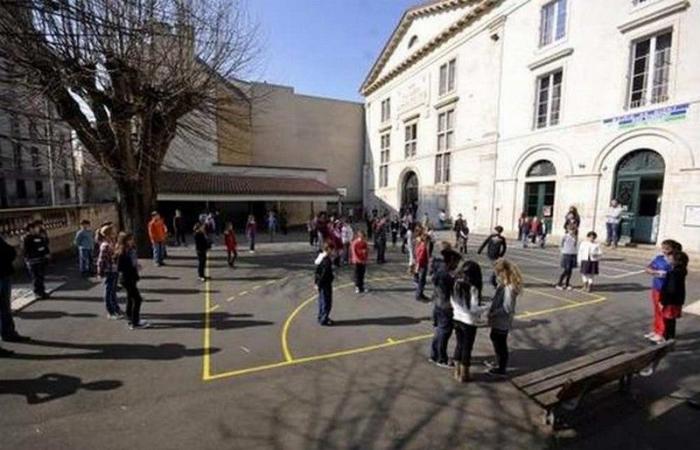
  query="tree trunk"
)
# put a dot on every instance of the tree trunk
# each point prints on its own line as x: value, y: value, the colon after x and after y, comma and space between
x: 137, y: 200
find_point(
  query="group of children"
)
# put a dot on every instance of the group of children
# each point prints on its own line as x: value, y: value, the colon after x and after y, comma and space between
x: 532, y: 231
x: 586, y: 255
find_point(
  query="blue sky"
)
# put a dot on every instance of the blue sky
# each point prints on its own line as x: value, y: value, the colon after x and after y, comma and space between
x: 323, y: 47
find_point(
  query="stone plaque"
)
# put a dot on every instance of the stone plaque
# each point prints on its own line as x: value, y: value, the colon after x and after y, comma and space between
x: 414, y: 94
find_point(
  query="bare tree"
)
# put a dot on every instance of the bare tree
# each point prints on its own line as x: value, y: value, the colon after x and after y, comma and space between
x: 127, y: 75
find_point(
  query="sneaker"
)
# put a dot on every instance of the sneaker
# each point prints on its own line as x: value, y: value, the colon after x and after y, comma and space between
x: 649, y: 335
x: 658, y: 339
x: 569, y: 288
x: 357, y: 290
x: 432, y: 361
x: 496, y: 372
x: 559, y: 287
x: 113, y: 316
x: 140, y: 326
x: 490, y: 364
x: 202, y: 279
x: 444, y: 365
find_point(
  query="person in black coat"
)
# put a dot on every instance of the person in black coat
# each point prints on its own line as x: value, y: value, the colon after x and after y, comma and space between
x: 202, y: 245
x: 495, y: 246
x: 673, y: 293
x: 36, y: 255
x: 7, y: 324
x: 323, y: 279
x: 128, y: 265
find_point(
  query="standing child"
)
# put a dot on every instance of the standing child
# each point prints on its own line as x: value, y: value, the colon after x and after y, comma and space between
x: 673, y: 293
x: 589, y: 254
x: 569, y: 252
x: 36, y: 254
x: 510, y: 285
x: 157, y: 233
x: 251, y: 228
x: 421, y: 266
x: 659, y: 268
x: 85, y: 242
x: 346, y: 238
x: 360, y: 256
x: 107, y: 268
x: 496, y: 247
x: 443, y: 280
x: 128, y: 265
x: 202, y: 246
x: 394, y: 226
x: 323, y: 278
x: 231, y: 244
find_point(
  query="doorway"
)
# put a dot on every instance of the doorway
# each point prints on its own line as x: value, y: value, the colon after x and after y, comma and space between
x: 409, y: 193
x: 639, y: 183
x: 539, y: 192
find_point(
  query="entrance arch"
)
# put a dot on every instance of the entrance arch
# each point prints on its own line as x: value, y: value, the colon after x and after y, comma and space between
x: 409, y: 192
x: 639, y: 183
x: 540, y: 183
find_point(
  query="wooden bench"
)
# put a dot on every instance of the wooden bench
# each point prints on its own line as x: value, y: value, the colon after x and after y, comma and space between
x: 559, y: 389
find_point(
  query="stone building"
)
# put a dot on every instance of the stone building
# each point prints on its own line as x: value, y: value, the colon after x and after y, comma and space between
x: 492, y: 108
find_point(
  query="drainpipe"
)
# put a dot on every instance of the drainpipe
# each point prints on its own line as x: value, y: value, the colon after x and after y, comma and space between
x: 498, y: 35
x: 50, y: 142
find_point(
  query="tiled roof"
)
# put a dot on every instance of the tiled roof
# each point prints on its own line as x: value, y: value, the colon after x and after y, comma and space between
x: 200, y: 183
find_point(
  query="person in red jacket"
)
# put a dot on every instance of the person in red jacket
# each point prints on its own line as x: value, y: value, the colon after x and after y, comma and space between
x: 360, y: 255
x: 421, y: 264
x: 231, y: 244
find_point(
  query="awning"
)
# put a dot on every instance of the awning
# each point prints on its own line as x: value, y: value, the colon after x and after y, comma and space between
x: 201, y: 186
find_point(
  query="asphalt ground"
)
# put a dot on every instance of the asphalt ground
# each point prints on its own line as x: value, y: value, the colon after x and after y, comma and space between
x: 239, y: 362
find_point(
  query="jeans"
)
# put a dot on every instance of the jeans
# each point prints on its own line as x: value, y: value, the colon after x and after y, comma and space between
x: 37, y: 271
x: 7, y: 324
x: 466, y: 335
x: 313, y: 237
x: 111, y: 280
x: 325, y: 303
x: 442, y: 321
x: 231, y: 257
x: 360, y: 270
x: 499, y: 339
x: 420, y: 279
x: 613, y: 233
x: 251, y: 239
x: 346, y: 253
x: 180, y: 237
x: 381, y: 252
x: 201, y: 264
x: 158, y: 252
x: 85, y: 260
x: 133, y: 302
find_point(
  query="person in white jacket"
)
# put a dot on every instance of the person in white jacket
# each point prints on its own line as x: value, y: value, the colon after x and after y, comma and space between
x: 468, y: 313
x: 589, y: 254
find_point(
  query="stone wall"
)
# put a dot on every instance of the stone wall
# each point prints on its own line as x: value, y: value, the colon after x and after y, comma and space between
x: 61, y: 223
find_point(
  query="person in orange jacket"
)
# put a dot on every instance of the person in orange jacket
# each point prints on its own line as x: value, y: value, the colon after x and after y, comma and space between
x: 157, y: 232
x: 231, y: 244
x: 360, y: 255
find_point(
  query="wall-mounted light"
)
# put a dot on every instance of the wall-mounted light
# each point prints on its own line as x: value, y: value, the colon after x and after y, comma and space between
x: 495, y: 37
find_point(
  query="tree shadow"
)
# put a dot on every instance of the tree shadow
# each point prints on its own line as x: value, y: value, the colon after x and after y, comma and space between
x: 52, y: 386
x: 385, y: 321
x: 68, y: 298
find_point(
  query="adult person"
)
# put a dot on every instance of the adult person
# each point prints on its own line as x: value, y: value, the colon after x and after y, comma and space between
x: 443, y: 280
x: 461, y: 231
x: 7, y: 324
x: 468, y: 313
x: 202, y: 245
x: 613, y: 218
x: 271, y: 224
x: 36, y: 255
x: 442, y: 219
x: 323, y: 279
x: 179, y: 228
x: 394, y: 226
x: 495, y: 245
x: 572, y: 218
x: 501, y: 313
x: 380, y: 238
x: 157, y: 233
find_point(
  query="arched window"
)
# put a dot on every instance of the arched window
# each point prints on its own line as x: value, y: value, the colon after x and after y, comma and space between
x: 542, y: 168
x: 641, y: 161
x: 412, y: 41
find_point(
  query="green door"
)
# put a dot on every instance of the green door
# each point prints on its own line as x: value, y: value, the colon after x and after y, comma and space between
x: 539, y: 201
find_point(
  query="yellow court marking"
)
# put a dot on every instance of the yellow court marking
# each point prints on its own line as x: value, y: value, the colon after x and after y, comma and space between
x: 206, y: 360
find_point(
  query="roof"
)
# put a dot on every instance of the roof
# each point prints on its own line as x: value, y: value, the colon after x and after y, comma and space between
x: 372, y: 82
x: 202, y: 183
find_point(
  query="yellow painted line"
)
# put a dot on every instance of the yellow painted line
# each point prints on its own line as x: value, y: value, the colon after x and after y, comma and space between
x: 557, y: 297
x: 206, y: 360
x: 390, y: 340
x: 559, y: 308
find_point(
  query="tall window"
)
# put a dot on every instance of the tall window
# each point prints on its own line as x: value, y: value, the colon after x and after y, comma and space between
x: 552, y: 22
x: 35, y: 158
x: 21, y: 189
x: 39, y: 190
x: 548, y: 99
x: 384, y: 159
x: 66, y: 191
x: 411, y: 140
x: 16, y: 145
x: 445, y: 144
x: 650, y: 70
x: 386, y: 110
x: 448, y: 72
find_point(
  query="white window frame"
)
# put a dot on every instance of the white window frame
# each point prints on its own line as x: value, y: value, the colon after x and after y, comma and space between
x: 410, y: 144
x: 386, y: 110
x: 447, y: 77
x: 649, y: 96
x: 548, y: 32
x: 384, y: 157
x: 445, y: 144
x: 549, y: 101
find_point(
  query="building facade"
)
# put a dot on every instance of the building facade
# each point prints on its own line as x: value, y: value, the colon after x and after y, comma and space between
x: 37, y: 164
x: 494, y: 108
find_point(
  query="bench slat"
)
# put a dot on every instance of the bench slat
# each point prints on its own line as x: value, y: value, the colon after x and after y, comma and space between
x: 538, y: 376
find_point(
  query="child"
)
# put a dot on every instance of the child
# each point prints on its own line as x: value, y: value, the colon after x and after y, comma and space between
x: 394, y: 226
x: 128, y: 265
x: 231, y: 244
x: 251, y: 228
x: 323, y: 278
x: 36, y: 254
x: 569, y: 252
x: 360, y: 255
x: 461, y: 233
x: 510, y: 285
x: 496, y: 248
x: 202, y: 246
x: 107, y: 268
x: 443, y: 280
x: 346, y: 238
x: 421, y: 265
x: 85, y: 241
x: 673, y: 293
x: 589, y: 254
x: 658, y: 268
